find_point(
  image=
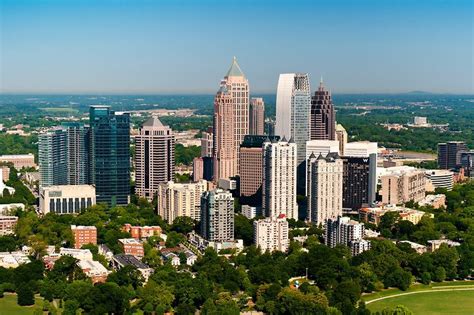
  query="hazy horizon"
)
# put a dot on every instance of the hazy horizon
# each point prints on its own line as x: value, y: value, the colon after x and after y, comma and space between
x: 164, y: 47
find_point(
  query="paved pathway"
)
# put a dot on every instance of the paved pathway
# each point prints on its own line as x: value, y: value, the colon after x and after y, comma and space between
x: 416, y: 292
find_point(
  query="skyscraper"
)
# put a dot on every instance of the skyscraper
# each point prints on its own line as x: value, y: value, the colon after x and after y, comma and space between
x: 279, y: 179
x: 449, y: 154
x: 207, y: 143
x: 323, y: 118
x: 217, y: 216
x: 467, y: 163
x: 359, y: 181
x: 231, y: 124
x: 293, y: 104
x: 271, y: 234
x: 256, y: 116
x: 154, y: 157
x: 325, y: 178
x: 53, y: 157
x: 251, y: 169
x: 341, y: 137
x: 63, y: 155
x: 110, y: 155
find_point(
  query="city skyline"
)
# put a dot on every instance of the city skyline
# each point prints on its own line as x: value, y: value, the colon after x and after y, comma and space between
x: 86, y: 47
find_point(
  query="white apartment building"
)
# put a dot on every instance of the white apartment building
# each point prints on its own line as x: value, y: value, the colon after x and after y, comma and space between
x: 271, y: 234
x: 178, y: 200
x: 279, y: 179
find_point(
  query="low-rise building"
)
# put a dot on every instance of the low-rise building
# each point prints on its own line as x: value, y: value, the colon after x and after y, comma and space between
x: 7, y: 225
x: 374, y: 215
x: 4, y: 187
x: 440, y: 178
x: 13, y: 259
x: 201, y: 243
x: 172, y: 258
x: 141, y: 232
x: 343, y: 230
x: 121, y: 260
x: 94, y: 270
x: 105, y: 251
x: 250, y: 212
x: 9, y: 208
x: 436, y: 244
x: 132, y: 246
x: 5, y: 171
x: 19, y: 161
x: 435, y: 201
x: 66, y: 199
x: 84, y: 235
x: 420, y: 249
x: 80, y: 254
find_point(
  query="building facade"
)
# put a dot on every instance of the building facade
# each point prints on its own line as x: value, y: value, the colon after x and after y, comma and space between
x: 467, y: 163
x: 341, y: 137
x: 231, y: 121
x: 19, y: 161
x: 84, y: 235
x: 53, y: 157
x: 154, y: 157
x: 257, y: 116
x: 279, y: 179
x: 207, y: 143
x: 323, y: 117
x: 110, y: 155
x: 403, y: 185
x: 344, y: 231
x: 359, y: 181
x: 198, y: 169
x: 325, y: 187
x: 449, y: 154
x: 440, y: 178
x: 217, y: 216
x: 178, y: 200
x: 66, y: 199
x: 271, y: 234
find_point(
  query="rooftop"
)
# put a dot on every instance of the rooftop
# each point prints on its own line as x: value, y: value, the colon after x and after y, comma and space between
x: 126, y: 260
x: 235, y: 70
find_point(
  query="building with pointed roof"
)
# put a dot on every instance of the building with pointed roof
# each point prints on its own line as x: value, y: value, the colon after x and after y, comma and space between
x: 154, y: 157
x: 323, y: 117
x: 231, y: 121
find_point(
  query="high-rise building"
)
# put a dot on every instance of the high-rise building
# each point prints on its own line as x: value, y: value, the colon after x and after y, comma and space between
x: 198, y: 169
x: 360, y: 149
x: 207, y: 143
x: 325, y: 187
x: 180, y: 200
x: 217, y: 216
x: 293, y: 104
x: 110, y: 155
x: 344, y: 231
x: 467, y: 163
x: 53, y: 157
x: 77, y: 153
x: 279, y: 179
x: 323, y: 117
x: 63, y: 154
x: 359, y: 181
x: 403, y: 184
x: 449, y: 154
x: 271, y: 234
x: 440, y: 178
x: 154, y: 157
x: 257, y: 116
x: 231, y: 121
x: 341, y: 137
x: 251, y: 168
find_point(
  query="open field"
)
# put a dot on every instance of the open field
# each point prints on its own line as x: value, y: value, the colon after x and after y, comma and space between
x: 440, y: 298
x: 8, y: 306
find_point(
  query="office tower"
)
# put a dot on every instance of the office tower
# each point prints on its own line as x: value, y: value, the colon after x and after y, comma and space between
x: 403, y: 184
x: 279, y: 179
x: 110, y: 155
x: 344, y: 231
x: 323, y: 117
x: 440, y: 179
x: 293, y: 104
x: 77, y: 153
x: 231, y: 121
x: 198, y: 169
x: 449, y: 154
x: 256, y: 116
x: 217, y: 216
x: 359, y: 181
x: 53, y: 157
x: 251, y: 169
x: 467, y: 163
x: 207, y: 143
x: 180, y: 200
x: 325, y: 180
x: 269, y: 127
x: 271, y: 234
x: 341, y: 137
x: 321, y: 147
x: 154, y: 157
x: 208, y: 168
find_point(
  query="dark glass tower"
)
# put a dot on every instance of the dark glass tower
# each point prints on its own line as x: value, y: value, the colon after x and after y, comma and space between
x: 359, y: 181
x: 323, y: 118
x: 449, y: 154
x: 110, y: 155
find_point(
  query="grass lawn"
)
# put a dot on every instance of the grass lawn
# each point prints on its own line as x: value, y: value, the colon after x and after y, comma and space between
x: 8, y: 305
x: 437, y: 298
x: 446, y: 302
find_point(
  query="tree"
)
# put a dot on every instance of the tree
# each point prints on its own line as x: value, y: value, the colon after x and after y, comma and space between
x: 426, y: 278
x: 183, y: 225
x: 7, y: 243
x: 439, y: 274
x: 156, y: 295
x: 398, y: 278
x: 125, y: 276
x: 243, y: 229
x: 174, y: 239
x: 295, y: 302
x: 25, y: 295
x: 398, y: 310
x: 66, y: 269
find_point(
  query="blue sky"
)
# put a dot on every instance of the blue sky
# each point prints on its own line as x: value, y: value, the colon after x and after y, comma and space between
x: 173, y: 46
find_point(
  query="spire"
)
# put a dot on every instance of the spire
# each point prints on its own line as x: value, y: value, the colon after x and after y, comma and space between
x: 235, y: 70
